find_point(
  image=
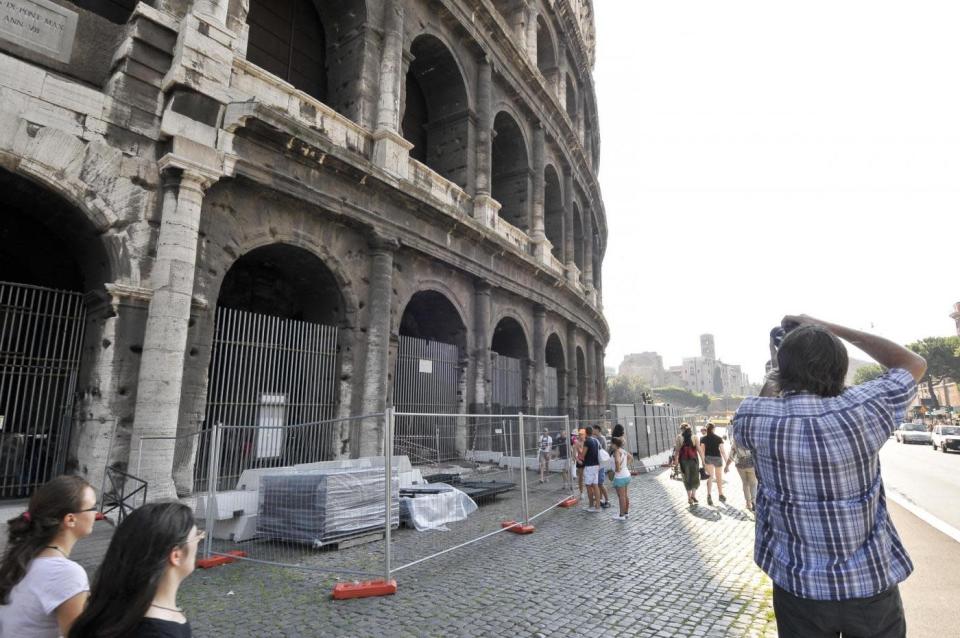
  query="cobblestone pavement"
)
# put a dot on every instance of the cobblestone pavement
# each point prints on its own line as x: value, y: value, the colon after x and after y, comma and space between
x: 668, y: 572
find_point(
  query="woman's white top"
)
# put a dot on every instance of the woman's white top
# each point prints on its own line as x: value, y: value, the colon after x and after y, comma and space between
x: 624, y: 471
x: 48, y: 583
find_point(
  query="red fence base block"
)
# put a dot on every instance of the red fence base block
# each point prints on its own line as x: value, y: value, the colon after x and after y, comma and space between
x: 216, y: 561
x: 517, y: 528
x: 365, y: 589
x: 570, y: 502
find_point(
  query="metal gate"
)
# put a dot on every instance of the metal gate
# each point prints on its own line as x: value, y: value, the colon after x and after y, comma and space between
x: 41, y: 334
x: 551, y: 391
x: 426, y: 382
x: 269, y: 373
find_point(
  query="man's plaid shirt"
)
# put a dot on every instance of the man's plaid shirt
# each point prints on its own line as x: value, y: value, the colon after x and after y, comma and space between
x: 823, y: 531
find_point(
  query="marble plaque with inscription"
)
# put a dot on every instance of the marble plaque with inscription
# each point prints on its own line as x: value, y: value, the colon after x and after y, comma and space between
x: 40, y: 26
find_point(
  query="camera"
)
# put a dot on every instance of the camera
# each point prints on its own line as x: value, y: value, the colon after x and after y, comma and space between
x: 779, y: 332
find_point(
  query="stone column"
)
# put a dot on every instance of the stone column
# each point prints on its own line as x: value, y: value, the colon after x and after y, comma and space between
x: 569, y: 252
x: 539, y: 356
x: 562, y: 75
x: 165, y: 337
x: 485, y: 208
x: 590, y: 396
x: 588, y: 251
x: 532, y: 14
x: 537, y: 234
x: 390, y: 151
x: 481, y: 345
x: 376, y: 364
x: 572, y: 391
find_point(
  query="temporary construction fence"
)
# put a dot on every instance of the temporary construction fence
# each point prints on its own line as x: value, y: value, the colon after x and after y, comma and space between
x: 649, y: 429
x: 271, y: 494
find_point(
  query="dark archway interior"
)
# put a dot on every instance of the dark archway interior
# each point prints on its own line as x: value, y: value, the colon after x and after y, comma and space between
x: 581, y: 376
x: 509, y: 340
x: 46, y: 241
x: 287, y: 39
x: 555, y: 357
x: 430, y: 315
x: 596, y: 261
x: 510, y: 171
x: 283, y: 281
x: 553, y: 211
x: 577, y: 239
x: 116, y: 11
x: 546, y: 58
x: 571, y: 98
x: 436, y: 115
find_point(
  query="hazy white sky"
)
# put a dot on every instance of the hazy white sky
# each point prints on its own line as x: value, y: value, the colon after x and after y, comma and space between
x: 764, y: 158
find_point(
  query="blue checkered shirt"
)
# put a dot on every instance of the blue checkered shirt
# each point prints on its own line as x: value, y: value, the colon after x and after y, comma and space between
x: 823, y: 531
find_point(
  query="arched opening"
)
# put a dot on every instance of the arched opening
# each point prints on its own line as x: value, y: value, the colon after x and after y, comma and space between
x: 315, y: 45
x: 581, y: 382
x: 273, y: 375
x: 510, y: 171
x: 572, y: 98
x: 116, y: 11
x: 578, y: 239
x: 553, y: 210
x: 432, y: 346
x: 287, y: 39
x: 597, y: 259
x: 554, y: 400
x: 51, y: 256
x: 546, y: 55
x: 436, y: 115
x: 510, y: 367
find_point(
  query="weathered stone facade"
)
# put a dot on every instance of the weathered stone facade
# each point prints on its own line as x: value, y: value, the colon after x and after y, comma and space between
x: 436, y: 177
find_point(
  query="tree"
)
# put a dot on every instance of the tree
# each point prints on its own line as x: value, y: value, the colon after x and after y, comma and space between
x: 868, y: 373
x: 943, y: 361
x: 625, y: 389
x: 682, y: 397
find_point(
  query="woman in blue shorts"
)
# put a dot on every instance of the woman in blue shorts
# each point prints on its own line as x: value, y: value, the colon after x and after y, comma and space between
x: 621, y: 477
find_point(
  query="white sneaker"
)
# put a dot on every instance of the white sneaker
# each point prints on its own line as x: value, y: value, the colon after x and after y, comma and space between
x: 619, y: 517
x: 592, y: 510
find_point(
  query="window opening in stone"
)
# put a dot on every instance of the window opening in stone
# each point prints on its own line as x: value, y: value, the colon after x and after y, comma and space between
x: 287, y: 39
x: 578, y: 240
x: 546, y: 56
x: 116, y: 11
x: 555, y: 380
x: 511, y: 172
x: 553, y: 211
x: 581, y: 382
x: 572, y: 98
x: 511, y: 363
x: 436, y: 116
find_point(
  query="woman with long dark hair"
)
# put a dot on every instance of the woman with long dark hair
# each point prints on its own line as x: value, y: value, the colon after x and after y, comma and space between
x: 688, y: 456
x: 714, y: 455
x: 135, y: 590
x: 42, y: 591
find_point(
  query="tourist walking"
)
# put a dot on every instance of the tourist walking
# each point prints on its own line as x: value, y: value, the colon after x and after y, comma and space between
x: 824, y: 535
x: 591, y: 472
x: 578, y: 451
x: 714, y: 455
x: 743, y: 460
x: 621, y: 476
x: 688, y: 456
x: 42, y: 591
x: 546, y: 449
x: 135, y: 590
x: 604, y: 497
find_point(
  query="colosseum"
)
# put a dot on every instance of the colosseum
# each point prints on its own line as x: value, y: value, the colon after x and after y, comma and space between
x: 332, y: 206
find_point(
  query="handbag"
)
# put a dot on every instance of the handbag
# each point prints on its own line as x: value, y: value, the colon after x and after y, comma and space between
x: 703, y: 474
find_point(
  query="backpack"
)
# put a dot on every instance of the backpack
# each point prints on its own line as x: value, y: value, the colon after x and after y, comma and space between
x: 687, y: 452
x: 606, y: 462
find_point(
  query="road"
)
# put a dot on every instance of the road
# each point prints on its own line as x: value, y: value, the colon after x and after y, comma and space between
x: 928, y: 479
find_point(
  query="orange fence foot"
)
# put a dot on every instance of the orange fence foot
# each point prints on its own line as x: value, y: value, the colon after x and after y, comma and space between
x: 517, y: 528
x: 216, y: 561
x: 365, y: 589
x: 570, y: 502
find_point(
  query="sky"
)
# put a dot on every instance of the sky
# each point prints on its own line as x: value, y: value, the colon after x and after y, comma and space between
x: 768, y: 158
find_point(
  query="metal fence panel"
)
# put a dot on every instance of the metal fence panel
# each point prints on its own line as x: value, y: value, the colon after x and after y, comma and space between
x: 41, y: 335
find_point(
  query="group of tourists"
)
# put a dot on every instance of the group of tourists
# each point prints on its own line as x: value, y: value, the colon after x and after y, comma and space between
x: 593, y: 459
x: 706, y: 457
x: 45, y: 594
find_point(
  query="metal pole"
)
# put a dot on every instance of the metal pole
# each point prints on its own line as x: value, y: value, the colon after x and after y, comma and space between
x: 437, y: 438
x: 388, y: 491
x: 566, y: 443
x: 212, y: 480
x: 139, y: 452
x: 523, y: 475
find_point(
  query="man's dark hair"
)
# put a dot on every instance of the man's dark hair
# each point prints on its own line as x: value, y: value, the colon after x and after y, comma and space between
x: 811, y: 359
x: 598, y: 428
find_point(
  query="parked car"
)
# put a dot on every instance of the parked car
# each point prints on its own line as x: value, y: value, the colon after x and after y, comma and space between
x: 912, y: 433
x: 946, y: 437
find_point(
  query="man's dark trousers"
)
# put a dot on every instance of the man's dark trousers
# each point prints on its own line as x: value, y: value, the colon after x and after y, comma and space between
x: 879, y: 616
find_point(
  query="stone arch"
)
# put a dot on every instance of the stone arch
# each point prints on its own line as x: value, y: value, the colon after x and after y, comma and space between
x: 546, y: 49
x: 510, y: 170
x: 556, y: 351
x: 555, y: 359
x: 578, y: 238
x: 553, y: 217
x: 509, y: 338
x: 432, y: 315
x: 436, y: 113
x: 312, y: 44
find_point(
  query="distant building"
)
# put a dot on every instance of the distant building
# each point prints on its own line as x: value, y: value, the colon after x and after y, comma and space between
x: 646, y: 366
x: 709, y: 375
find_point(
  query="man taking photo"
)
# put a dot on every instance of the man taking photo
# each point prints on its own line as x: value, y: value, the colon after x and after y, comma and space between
x: 823, y: 532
